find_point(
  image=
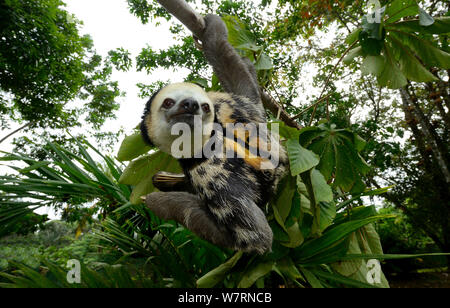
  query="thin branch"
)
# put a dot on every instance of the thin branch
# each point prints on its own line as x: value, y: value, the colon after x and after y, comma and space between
x: 313, y: 105
x: 327, y: 82
x: 16, y: 131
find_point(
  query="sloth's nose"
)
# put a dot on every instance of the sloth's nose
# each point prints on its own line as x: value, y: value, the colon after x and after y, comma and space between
x: 190, y: 105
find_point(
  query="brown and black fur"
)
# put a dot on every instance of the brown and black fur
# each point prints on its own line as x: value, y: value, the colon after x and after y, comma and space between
x: 223, y: 198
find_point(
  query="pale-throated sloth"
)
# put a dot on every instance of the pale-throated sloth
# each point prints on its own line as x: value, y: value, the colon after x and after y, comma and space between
x: 217, y: 198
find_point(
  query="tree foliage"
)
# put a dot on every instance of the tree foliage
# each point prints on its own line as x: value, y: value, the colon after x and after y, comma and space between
x: 46, y: 65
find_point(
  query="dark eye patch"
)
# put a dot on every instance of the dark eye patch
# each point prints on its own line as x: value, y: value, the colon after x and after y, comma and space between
x: 168, y: 103
x: 205, y: 108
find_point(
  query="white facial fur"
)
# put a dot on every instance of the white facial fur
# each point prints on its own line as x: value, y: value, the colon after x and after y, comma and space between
x: 160, y: 126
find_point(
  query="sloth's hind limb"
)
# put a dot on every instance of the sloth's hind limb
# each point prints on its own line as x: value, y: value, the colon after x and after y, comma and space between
x: 190, y: 211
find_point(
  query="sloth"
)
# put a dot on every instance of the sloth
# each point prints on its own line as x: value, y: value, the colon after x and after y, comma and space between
x: 220, y: 198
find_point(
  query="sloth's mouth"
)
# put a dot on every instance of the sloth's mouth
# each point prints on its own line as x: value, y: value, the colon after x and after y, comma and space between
x: 183, y: 117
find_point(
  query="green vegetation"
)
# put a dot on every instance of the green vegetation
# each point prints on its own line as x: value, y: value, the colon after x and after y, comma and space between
x: 377, y: 132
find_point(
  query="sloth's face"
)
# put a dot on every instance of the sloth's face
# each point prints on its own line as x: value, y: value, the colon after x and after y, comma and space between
x: 180, y: 103
x: 183, y: 103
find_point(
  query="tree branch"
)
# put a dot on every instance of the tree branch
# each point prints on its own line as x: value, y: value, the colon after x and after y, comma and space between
x: 429, y: 134
x: 196, y: 24
x: 16, y: 131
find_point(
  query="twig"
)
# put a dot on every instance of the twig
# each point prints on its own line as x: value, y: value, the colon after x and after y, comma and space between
x: 327, y: 82
x: 313, y: 105
x: 16, y: 131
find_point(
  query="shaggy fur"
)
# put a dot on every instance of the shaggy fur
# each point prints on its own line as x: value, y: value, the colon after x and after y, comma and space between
x: 223, y: 198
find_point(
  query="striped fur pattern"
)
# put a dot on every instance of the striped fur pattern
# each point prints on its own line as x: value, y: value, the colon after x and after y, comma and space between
x: 233, y: 191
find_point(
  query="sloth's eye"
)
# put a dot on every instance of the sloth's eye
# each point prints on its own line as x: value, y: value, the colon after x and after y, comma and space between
x: 168, y: 103
x: 205, y: 108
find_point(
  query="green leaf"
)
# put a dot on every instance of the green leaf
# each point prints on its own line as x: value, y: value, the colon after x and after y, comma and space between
x: 218, y: 274
x: 254, y: 273
x: 264, y: 62
x: 132, y: 146
x: 370, y: 46
x: 338, y: 151
x: 398, y: 9
x: 391, y: 77
x: 239, y: 36
x: 410, y: 65
x: 288, y: 268
x: 295, y: 236
x: 34, y: 166
x: 441, y: 25
x: 285, y: 131
x: 342, y: 279
x: 353, y: 37
x: 140, y: 172
x: 312, y: 279
x: 322, y: 191
x: 429, y: 54
x: 424, y: 18
x: 352, y: 54
x: 334, y: 235
x: 295, y: 212
x: 391, y: 256
x: 350, y: 267
x: 372, y: 65
x: 327, y: 214
x: 301, y: 159
x: 202, y: 82
x: 284, y: 198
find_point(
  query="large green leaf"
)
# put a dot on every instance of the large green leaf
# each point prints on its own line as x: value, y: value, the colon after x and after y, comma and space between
x: 350, y: 267
x: 238, y: 34
x: 391, y: 77
x: 410, y: 65
x: 338, y: 151
x: 441, y: 25
x: 286, y: 207
x: 140, y: 172
x: 352, y: 54
x: 311, y: 248
x: 301, y: 159
x: 424, y: 49
x: 254, y: 273
x: 372, y: 65
x: 322, y: 191
x: 217, y: 275
x: 264, y: 62
x: 132, y: 146
x: 398, y: 9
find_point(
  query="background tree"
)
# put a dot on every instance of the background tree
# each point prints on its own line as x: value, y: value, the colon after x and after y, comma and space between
x: 50, y: 76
